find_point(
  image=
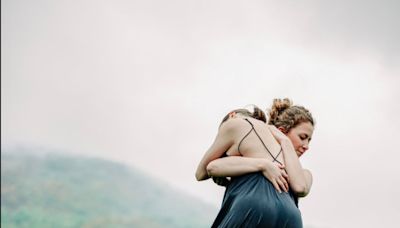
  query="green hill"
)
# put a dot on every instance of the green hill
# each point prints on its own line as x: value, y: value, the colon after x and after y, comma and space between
x: 55, y: 190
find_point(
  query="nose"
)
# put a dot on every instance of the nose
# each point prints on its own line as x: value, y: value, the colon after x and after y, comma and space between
x: 305, y: 146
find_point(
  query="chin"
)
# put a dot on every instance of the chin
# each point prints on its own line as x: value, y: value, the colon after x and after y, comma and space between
x: 299, y: 154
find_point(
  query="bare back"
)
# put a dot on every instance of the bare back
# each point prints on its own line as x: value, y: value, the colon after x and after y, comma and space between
x: 252, y: 138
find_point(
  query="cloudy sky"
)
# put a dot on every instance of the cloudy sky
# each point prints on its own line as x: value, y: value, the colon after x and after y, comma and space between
x: 147, y: 82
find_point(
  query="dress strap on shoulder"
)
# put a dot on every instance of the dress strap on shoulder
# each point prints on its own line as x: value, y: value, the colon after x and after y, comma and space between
x: 252, y: 128
x: 265, y: 146
x: 249, y: 122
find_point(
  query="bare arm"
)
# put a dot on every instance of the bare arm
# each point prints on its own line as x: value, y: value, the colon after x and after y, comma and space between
x: 237, y: 165
x: 222, y: 143
x: 300, y: 180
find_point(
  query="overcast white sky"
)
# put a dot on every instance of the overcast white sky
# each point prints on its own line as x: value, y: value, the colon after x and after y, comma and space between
x: 147, y: 82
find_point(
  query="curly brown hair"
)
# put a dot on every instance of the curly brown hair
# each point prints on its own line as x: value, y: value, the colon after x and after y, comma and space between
x: 284, y: 114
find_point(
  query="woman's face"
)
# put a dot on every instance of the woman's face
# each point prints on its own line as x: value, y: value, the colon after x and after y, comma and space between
x: 301, y: 137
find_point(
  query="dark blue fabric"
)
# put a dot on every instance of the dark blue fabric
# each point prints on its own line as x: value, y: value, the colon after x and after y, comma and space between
x: 252, y: 201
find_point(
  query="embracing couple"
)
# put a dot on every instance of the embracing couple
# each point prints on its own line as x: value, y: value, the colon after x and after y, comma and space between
x: 257, y: 158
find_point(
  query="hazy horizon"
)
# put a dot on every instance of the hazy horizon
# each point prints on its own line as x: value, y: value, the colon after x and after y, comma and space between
x: 147, y: 82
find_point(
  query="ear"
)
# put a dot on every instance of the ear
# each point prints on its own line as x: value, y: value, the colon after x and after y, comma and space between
x: 232, y: 114
x: 282, y: 129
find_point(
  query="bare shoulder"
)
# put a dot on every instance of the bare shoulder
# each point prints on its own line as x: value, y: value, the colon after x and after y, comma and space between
x: 234, y: 125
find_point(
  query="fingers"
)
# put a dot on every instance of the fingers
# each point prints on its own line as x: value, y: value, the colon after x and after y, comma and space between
x: 284, y: 174
x: 274, y: 182
x: 285, y: 183
x: 285, y: 178
x: 282, y: 185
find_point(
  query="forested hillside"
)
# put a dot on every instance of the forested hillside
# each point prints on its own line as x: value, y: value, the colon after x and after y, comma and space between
x: 57, y: 190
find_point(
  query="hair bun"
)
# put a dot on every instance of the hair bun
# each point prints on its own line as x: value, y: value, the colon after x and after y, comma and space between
x: 286, y: 115
x: 281, y: 105
x: 278, y: 106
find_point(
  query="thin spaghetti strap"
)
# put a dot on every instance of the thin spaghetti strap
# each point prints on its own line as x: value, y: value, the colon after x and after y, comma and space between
x: 248, y: 121
x: 275, y: 160
x: 252, y: 128
x: 274, y: 157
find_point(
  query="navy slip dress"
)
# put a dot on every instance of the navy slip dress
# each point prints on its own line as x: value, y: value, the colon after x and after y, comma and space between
x: 251, y: 200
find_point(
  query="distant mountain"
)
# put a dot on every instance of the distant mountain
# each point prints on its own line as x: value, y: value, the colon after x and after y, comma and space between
x: 54, y: 190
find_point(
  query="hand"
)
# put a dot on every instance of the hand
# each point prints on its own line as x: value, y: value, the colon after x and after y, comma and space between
x: 277, y: 175
x: 278, y: 135
x: 222, y: 181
